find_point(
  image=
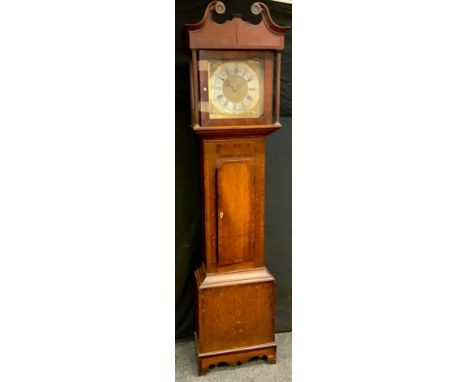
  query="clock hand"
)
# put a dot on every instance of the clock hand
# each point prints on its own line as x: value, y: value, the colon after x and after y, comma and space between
x: 237, y: 88
x: 229, y: 84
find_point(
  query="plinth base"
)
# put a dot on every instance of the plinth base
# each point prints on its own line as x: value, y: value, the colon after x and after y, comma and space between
x: 235, y: 314
x: 234, y: 356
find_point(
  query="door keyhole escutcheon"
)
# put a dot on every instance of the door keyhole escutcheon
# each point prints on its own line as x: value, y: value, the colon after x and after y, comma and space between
x: 221, y: 214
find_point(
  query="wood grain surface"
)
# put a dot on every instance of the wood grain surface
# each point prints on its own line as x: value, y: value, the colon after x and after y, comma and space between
x: 235, y: 299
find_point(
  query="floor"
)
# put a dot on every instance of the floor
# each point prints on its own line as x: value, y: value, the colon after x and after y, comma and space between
x: 252, y: 371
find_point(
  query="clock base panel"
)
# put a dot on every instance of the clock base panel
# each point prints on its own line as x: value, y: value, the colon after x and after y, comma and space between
x: 233, y: 357
x: 235, y: 316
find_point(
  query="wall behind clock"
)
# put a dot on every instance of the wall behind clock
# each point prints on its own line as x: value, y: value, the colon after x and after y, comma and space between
x: 187, y: 177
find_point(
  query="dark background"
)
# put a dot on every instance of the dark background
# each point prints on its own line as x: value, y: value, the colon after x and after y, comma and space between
x: 188, y: 253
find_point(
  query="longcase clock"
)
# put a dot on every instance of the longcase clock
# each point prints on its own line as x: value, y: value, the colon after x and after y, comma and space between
x: 235, y: 92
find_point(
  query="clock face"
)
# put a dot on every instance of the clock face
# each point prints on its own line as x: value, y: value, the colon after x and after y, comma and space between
x: 235, y: 88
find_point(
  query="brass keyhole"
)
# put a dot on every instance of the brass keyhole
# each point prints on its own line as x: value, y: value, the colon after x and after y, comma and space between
x: 221, y: 214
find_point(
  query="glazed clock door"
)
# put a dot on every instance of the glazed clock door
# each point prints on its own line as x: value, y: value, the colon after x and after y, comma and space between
x: 235, y: 210
x: 236, y: 87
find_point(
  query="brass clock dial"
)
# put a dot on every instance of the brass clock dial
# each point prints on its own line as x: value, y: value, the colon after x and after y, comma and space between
x: 235, y: 88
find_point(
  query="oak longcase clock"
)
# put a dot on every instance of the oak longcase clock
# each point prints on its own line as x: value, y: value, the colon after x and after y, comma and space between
x: 235, y: 102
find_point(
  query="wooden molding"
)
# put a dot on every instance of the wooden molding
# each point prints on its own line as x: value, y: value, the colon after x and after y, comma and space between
x: 227, y: 131
x: 237, y: 350
x: 236, y: 33
x: 234, y: 356
x: 246, y: 276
